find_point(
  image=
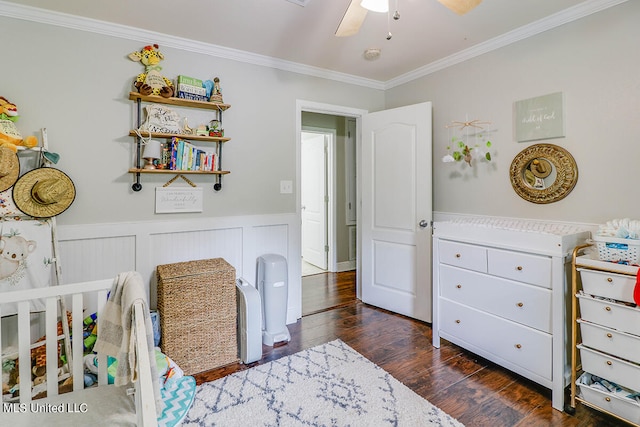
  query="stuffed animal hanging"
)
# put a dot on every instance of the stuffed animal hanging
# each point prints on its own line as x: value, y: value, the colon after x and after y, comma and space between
x: 9, y: 134
x: 151, y: 82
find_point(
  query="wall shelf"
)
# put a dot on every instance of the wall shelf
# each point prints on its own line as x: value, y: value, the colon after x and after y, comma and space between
x: 177, y: 135
x: 177, y: 172
x: 179, y: 102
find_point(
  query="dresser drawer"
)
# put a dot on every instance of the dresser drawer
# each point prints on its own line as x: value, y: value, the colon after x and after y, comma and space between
x: 526, y: 304
x: 620, y: 405
x: 609, y: 285
x: 533, y: 269
x: 616, y: 370
x: 610, y: 341
x: 610, y: 314
x: 462, y: 255
x: 525, y: 347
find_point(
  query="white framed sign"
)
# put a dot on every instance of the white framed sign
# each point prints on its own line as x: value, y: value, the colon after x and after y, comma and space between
x: 540, y: 118
x: 178, y: 199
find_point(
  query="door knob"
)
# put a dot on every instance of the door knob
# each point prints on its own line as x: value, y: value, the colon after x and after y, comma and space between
x: 423, y: 224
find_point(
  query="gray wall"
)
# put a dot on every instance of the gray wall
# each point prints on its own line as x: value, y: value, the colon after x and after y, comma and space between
x: 76, y: 84
x: 594, y: 61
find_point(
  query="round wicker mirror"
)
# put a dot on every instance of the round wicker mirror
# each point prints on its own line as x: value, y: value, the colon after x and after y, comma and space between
x: 543, y: 173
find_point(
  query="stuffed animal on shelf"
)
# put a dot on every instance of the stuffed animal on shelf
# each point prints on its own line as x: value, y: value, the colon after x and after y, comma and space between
x: 9, y: 134
x: 151, y: 82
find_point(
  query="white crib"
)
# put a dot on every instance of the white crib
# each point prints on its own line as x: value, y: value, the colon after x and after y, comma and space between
x: 104, y: 404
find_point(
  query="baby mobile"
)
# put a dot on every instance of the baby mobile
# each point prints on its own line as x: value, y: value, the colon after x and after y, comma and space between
x: 468, y: 146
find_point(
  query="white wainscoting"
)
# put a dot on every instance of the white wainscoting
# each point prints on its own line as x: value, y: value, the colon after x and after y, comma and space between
x: 98, y: 251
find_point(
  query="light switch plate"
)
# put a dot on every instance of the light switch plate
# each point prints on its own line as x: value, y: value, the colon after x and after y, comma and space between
x: 286, y: 187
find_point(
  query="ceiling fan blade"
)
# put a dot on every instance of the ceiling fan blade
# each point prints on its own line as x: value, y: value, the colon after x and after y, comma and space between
x: 352, y: 19
x: 460, y: 6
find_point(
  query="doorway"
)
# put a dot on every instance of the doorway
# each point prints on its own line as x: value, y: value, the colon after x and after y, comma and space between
x: 342, y: 195
x: 317, y: 198
x: 408, y: 128
x: 328, y: 193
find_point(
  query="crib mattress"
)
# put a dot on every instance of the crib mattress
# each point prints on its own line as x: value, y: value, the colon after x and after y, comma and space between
x: 98, y: 406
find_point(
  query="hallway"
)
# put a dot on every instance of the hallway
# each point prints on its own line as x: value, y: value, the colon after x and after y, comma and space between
x: 325, y: 291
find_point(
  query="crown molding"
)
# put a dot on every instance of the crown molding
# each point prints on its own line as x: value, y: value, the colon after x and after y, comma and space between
x: 29, y: 13
x: 14, y: 10
x: 550, y: 22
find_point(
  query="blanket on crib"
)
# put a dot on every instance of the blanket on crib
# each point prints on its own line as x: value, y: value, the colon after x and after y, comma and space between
x: 116, y: 335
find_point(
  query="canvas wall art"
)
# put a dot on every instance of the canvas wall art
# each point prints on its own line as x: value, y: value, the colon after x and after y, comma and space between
x: 540, y: 118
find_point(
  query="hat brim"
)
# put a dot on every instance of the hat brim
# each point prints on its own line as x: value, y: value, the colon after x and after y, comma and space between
x: 24, y: 201
x: 9, y: 179
x: 547, y: 170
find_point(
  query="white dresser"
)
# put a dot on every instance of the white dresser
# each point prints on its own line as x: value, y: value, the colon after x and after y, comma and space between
x: 500, y: 290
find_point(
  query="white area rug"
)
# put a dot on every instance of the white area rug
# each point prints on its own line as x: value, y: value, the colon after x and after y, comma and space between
x: 327, y: 385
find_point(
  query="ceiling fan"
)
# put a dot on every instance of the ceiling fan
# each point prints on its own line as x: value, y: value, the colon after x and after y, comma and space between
x: 357, y: 11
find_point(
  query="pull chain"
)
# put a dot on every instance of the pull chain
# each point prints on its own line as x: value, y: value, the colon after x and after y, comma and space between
x: 396, y: 16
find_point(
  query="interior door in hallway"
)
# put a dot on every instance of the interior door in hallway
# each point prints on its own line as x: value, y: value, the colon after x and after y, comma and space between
x: 314, y: 199
x: 397, y: 209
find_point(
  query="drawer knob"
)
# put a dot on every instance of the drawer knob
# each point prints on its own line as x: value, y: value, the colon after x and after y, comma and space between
x: 609, y: 335
x: 458, y: 286
x: 607, y: 308
x: 457, y: 320
x: 520, y: 304
x: 609, y: 362
x: 458, y: 255
x: 609, y: 279
x: 518, y: 346
x: 519, y: 268
x: 607, y: 399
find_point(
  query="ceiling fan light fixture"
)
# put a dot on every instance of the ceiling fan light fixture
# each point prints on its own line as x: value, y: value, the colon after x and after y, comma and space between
x: 376, y: 5
x: 460, y: 6
x: 371, y: 53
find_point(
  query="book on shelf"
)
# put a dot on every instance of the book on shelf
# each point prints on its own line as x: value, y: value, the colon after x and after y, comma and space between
x: 191, y: 92
x: 182, y: 79
x: 188, y: 157
x: 190, y: 88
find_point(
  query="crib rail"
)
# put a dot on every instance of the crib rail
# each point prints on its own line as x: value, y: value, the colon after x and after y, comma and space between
x: 145, y: 399
x: 77, y: 294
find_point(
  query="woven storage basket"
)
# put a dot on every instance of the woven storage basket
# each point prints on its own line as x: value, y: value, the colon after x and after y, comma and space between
x: 197, y: 305
x: 616, y: 249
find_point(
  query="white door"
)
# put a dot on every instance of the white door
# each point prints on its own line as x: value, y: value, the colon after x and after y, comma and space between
x: 397, y: 210
x: 314, y: 200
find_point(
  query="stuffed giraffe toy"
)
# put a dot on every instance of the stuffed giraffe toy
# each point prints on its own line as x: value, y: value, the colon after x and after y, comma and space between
x: 151, y: 82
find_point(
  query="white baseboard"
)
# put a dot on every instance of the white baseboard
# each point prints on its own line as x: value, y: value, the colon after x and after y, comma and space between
x: 345, y: 266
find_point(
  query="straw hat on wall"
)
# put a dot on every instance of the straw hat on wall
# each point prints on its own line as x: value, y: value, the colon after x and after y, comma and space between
x: 44, y: 192
x: 9, y: 168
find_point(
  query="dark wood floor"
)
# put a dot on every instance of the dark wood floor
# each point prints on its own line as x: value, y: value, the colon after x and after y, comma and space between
x: 471, y: 389
x: 327, y: 290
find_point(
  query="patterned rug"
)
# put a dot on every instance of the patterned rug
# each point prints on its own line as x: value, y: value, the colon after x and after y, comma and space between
x: 327, y: 385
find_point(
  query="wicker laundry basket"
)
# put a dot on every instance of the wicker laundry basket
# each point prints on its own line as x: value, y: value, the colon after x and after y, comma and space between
x: 197, y: 305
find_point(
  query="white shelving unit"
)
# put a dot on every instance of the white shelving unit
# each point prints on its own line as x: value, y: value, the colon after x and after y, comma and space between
x: 605, y: 335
